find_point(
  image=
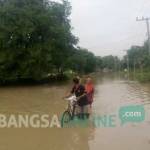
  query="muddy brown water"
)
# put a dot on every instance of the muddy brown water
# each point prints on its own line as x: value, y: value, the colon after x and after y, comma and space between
x: 110, y: 94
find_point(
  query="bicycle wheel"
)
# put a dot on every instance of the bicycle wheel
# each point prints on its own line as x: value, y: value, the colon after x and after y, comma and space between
x: 66, y: 118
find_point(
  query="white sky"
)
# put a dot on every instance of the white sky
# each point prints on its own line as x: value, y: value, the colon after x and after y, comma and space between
x: 109, y: 26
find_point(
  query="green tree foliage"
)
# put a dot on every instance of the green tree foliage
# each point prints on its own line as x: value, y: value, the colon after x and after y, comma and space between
x: 111, y: 62
x: 35, y: 37
x: 139, y: 62
x: 99, y: 63
x: 64, y: 41
x: 82, y: 61
x: 36, y: 40
x: 138, y: 57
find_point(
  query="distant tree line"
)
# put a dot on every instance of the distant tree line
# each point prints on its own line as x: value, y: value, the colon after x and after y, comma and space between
x: 36, y: 40
x: 139, y: 57
x: 137, y: 60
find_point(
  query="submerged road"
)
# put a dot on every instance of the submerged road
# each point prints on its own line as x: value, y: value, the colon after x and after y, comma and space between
x: 111, y: 94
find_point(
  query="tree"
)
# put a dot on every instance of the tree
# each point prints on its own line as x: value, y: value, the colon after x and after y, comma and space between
x: 35, y: 37
x: 110, y: 62
x: 63, y: 41
x: 82, y: 61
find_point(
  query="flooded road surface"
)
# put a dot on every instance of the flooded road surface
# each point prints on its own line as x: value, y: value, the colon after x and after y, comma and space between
x: 110, y: 95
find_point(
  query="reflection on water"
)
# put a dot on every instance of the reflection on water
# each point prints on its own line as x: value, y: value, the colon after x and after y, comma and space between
x: 111, y: 94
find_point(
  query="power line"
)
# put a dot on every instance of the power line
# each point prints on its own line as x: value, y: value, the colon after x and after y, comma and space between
x: 148, y: 30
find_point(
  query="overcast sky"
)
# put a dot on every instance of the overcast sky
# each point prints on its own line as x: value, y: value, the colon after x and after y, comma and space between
x: 109, y: 26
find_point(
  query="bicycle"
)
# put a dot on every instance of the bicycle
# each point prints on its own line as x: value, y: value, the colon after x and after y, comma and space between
x: 69, y: 113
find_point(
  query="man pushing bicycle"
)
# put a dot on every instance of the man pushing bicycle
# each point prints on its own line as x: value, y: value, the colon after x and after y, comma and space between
x: 82, y: 101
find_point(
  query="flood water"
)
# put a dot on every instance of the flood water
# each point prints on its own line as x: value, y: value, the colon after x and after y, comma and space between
x: 110, y: 94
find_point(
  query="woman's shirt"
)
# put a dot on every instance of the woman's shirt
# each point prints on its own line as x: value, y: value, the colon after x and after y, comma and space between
x: 89, y: 88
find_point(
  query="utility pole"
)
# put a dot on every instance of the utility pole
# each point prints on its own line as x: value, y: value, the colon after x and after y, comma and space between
x: 128, y: 65
x: 148, y: 30
x: 134, y: 67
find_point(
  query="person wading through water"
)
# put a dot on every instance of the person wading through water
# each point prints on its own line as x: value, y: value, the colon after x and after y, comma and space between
x: 79, y: 90
x: 89, y: 88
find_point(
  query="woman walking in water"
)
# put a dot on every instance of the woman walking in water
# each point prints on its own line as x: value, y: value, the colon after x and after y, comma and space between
x: 89, y: 88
